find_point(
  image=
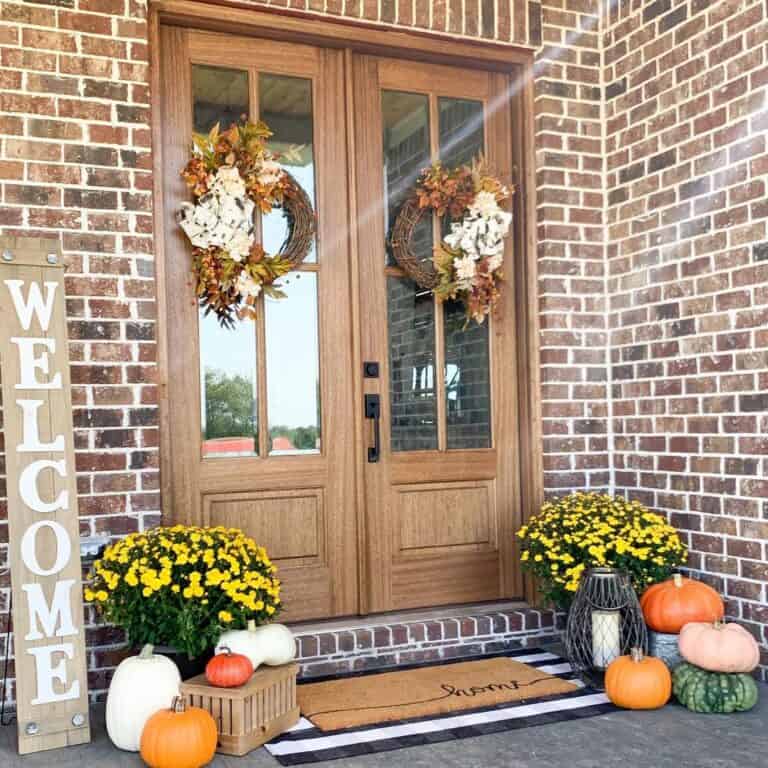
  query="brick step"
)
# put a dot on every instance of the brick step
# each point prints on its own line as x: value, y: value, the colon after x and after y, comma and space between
x: 378, y: 642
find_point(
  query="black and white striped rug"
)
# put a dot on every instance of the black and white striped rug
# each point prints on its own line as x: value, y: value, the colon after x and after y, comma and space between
x: 305, y: 743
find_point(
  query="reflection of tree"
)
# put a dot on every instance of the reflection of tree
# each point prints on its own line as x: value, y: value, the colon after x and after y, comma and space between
x: 229, y: 405
x: 301, y: 438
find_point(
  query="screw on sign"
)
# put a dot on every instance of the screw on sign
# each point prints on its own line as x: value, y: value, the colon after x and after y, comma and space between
x: 45, y: 565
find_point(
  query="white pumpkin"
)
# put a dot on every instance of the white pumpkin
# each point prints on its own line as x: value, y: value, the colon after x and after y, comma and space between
x: 272, y: 644
x: 141, y: 686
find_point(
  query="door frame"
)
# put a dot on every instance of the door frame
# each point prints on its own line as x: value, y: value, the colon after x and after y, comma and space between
x: 356, y: 37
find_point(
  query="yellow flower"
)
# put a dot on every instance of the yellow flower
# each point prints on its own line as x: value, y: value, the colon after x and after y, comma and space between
x: 225, y: 617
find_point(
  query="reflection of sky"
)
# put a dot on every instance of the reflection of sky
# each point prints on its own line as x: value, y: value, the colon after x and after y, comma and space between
x: 292, y: 359
x: 232, y: 351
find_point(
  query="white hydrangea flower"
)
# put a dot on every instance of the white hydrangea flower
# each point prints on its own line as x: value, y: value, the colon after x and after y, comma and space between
x: 495, y: 261
x: 239, y: 245
x: 219, y: 220
x: 247, y: 286
x: 465, y: 271
x: 484, y: 205
x: 270, y: 172
x: 228, y: 181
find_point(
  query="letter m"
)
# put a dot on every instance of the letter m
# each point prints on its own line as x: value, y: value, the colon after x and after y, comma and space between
x: 59, y: 612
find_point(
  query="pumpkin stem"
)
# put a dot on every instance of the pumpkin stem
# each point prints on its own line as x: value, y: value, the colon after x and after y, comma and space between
x: 677, y: 579
x: 225, y: 650
x: 179, y: 704
x: 251, y: 625
x: 637, y: 654
x: 146, y: 651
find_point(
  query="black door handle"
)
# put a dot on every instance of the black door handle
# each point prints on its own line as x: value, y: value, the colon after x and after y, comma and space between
x: 373, y: 411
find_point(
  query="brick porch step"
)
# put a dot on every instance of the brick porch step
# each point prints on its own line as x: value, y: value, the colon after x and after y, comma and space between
x: 387, y: 640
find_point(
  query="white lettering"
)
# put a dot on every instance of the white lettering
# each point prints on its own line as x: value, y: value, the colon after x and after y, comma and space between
x: 33, y: 304
x: 29, y: 364
x: 31, y: 430
x: 29, y: 550
x: 60, y: 611
x: 29, y: 491
x: 47, y: 672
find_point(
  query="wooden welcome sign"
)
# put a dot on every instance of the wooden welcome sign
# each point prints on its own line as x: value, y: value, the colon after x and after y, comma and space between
x: 48, y: 637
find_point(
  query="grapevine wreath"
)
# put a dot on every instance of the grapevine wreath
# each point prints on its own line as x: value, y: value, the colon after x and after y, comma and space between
x: 231, y: 175
x: 467, y: 263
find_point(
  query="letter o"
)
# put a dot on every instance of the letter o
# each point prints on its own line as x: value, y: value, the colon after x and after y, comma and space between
x: 29, y: 554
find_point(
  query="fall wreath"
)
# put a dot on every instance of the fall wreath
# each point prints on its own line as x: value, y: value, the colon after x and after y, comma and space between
x: 232, y: 174
x: 467, y: 263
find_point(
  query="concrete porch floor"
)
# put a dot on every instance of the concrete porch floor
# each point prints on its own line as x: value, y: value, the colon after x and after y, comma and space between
x: 667, y: 738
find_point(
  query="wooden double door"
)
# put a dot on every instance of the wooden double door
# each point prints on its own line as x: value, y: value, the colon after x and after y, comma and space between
x: 356, y: 429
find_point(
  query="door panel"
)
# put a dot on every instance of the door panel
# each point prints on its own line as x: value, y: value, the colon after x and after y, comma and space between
x: 250, y: 408
x: 441, y: 503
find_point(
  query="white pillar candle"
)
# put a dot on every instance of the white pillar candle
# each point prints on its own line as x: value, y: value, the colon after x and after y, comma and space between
x: 606, y: 637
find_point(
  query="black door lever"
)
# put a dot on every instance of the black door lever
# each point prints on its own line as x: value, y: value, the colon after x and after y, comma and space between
x: 373, y: 411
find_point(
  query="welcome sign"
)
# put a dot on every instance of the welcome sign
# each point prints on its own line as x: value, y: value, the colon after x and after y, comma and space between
x: 48, y: 637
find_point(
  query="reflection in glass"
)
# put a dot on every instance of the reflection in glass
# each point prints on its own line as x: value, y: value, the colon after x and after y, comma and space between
x: 285, y: 105
x: 467, y: 380
x: 460, y: 130
x: 219, y: 96
x: 293, y: 374
x: 228, y: 388
x: 411, y: 326
x: 467, y: 365
x: 406, y: 154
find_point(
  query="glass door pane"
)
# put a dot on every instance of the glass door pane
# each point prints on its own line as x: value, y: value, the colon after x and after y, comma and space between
x: 228, y: 404
x: 467, y: 359
x: 293, y: 370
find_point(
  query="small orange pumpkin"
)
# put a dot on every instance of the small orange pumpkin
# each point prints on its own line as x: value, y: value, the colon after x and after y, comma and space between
x: 638, y: 681
x: 179, y: 737
x: 719, y: 647
x: 670, y: 605
x: 228, y: 670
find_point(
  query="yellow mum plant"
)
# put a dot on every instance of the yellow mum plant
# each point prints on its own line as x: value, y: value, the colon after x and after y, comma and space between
x: 182, y: 586
x: 583, y: 530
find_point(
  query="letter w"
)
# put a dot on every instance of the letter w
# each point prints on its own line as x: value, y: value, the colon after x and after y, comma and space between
x: 34, y: 303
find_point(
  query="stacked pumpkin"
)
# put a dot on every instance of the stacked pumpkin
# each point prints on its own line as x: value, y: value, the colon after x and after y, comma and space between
x: 718, y: 658
x: 145, y: 712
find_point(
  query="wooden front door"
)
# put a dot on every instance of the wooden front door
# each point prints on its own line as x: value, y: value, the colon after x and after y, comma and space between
x: 442, y: 501
x: 265, y: 422
x: 260, y: 416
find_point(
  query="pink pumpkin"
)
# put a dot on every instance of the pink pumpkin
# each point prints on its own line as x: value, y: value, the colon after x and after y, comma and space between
x: 719, y: 647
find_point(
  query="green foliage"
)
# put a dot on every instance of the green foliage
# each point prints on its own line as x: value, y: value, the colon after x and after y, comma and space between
x: 228, y: 405
x: 182, y: 586
x: 583, y: 530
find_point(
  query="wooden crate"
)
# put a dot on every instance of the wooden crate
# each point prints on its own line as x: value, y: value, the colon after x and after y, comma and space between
x: 248, y: 716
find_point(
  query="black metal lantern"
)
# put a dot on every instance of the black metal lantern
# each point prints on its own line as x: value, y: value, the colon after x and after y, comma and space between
x: 605, y: 621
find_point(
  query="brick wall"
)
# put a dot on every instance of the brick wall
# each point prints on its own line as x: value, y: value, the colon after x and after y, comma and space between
x: 75, y: 162
x: 687, y: 216
x: 571, y: 250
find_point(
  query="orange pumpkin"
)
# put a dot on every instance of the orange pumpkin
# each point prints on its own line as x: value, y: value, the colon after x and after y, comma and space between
x: 638, y: 681
x: 179, y: 737
x: 670, y: 605
x: 228, y: 670
x: 719, y: 647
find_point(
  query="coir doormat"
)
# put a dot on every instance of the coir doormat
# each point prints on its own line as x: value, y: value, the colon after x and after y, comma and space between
x: 375, y: 712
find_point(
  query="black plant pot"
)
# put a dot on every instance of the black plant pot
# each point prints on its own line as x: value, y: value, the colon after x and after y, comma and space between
x: 187, y: 667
